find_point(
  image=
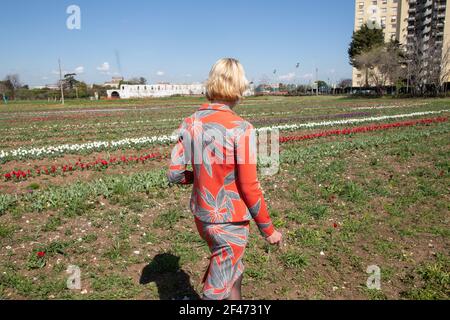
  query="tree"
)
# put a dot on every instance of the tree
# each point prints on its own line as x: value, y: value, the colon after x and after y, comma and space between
x: 136, y: 80
x: 322, y: 85
x: 364, y: 40
x: 428, y: 67
x: 345, y: 83
x: 444, y: 77
x: 101, y: 90
x: 14, y: 80
x: 11, y: 84
x: 83, y: 91
x: 142, y: 80
x: 383, y: 65
x: 3, y: 89
x: 70, y: 81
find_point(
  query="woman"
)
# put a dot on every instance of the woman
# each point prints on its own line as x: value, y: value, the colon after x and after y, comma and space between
x: 226, y: 194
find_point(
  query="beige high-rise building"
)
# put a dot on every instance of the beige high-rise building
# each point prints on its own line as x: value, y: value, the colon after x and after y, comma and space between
x: 408, y: 21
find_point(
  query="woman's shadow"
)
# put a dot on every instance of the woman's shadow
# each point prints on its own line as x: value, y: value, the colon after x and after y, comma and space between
x: 172, y: 282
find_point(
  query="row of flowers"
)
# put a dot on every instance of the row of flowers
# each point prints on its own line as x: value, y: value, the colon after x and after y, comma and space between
x: 309, y: 118
x: 75, y: 114
x: 293, y: 127
x: 44, y: 134
x: 24, y: 153
x: 53, y: 118
x: 96, y: 125
x: 381, y: 107
x: 98, y: 164
x: 122, y: 123
x: 103, y: 164
x: 347, y: 131
x: 108, y: 111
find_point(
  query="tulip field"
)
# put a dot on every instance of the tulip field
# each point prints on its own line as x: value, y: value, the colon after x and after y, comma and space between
x: 362, y: 182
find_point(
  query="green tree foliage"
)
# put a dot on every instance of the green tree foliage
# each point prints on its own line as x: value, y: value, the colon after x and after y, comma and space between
x: 70, y: 81
x: 364, y: 40
x: 10, y: 85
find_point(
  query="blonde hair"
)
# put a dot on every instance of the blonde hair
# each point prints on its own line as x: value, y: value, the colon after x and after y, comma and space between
x: 227, y: 81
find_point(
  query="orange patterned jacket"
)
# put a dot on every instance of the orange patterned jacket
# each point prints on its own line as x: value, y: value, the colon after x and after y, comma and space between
x: 221, y: 147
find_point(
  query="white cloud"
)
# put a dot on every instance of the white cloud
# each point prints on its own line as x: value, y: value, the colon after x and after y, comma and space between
x: 307, y: 76
x: 160, y: 73
x: 104, y: 67
x: 79, y: 70
x: 56, y: 72
x: 288, y: 77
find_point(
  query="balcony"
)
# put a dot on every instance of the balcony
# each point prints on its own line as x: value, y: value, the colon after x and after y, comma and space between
x: 427, y: 21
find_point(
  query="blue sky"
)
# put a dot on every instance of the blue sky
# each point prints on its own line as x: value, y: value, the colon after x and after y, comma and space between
x: 176, y: 40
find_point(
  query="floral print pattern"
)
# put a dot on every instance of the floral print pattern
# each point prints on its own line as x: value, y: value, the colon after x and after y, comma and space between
x: 221, y: 147
x: 226, y: 194
x: 227, y: 243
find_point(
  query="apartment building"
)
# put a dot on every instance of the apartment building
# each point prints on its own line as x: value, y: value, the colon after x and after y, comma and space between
x: 408, y: 21
x: 384, y: 14
x: 428, y: 33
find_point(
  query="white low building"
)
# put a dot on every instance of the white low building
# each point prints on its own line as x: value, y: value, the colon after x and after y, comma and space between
x: 127, y: 91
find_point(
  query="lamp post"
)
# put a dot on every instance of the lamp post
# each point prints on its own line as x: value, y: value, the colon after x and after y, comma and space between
x: 61, y: 82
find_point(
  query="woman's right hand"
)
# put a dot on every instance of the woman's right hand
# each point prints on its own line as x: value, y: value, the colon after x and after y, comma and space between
x: 275, y: 238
